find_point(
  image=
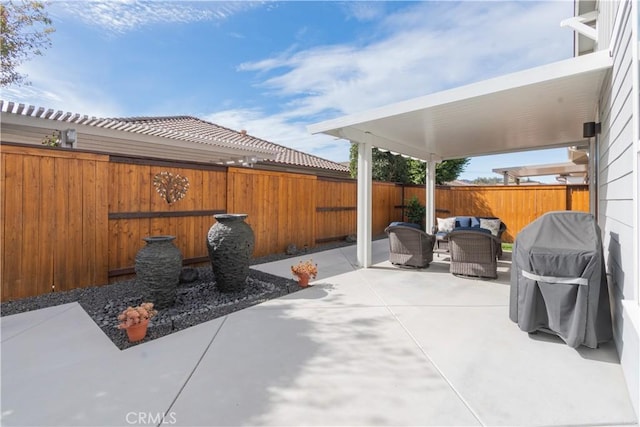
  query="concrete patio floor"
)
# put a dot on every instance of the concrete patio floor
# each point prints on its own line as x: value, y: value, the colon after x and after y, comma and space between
x: 378, y: 346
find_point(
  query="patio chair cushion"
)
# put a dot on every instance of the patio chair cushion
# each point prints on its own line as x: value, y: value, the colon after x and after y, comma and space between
x: 446, y: 225
x: 493, y: 225
x: 467, y: 221
x: 463, y: 222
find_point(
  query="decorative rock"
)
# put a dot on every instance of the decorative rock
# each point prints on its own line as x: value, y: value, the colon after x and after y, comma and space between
x: 230, y: 242
x: 291, y: 249
x: 351, y: 238
x: 188, y: 275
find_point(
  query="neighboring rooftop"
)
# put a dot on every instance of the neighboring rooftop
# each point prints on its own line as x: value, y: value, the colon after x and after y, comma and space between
x: 195, y: 126
x: 193, y: 138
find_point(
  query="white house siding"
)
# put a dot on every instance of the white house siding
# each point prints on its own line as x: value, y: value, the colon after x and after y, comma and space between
x: 606, y: 18
x: 617, y: 178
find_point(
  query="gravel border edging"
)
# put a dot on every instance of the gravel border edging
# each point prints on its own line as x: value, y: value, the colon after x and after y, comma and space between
x: 196, y: 302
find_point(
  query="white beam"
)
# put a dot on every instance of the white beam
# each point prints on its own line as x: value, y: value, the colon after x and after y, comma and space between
x: 354, y: 134
x: 364, y: 204
x: 577, y: 24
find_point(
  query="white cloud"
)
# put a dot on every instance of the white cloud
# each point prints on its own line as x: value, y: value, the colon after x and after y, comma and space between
x: 425, y: 48
x: 363, y: 10
x: 121, y: 16
x: 53, y: 86
x: 278, y: 129
x: 430, y: 47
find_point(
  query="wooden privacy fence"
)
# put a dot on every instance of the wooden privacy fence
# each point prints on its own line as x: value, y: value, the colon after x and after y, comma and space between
x: 515, y: 205
x: 136, y: 210
x: 74, y: 219
x: 54, y: 220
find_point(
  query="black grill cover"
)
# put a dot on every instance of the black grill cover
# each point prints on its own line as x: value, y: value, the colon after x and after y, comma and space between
x: 558, y: 281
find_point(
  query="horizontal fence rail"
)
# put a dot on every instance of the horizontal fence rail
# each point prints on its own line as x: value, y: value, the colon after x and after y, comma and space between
x: 75, y: 219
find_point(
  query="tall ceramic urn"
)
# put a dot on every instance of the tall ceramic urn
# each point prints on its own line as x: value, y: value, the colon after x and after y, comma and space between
x: 158, y: 267
x: 230, y: 242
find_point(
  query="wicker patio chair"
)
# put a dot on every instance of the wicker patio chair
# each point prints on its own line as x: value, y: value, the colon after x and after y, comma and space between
x: 409, y: 246
x: 442, y: 239
x: 473, y: 253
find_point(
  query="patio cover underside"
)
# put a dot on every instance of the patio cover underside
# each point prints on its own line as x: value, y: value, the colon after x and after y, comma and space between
x: 542, y: 107
x: 538, y: 108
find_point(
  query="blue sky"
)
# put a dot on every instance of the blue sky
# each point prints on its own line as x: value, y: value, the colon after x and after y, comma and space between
x: 273, y: 68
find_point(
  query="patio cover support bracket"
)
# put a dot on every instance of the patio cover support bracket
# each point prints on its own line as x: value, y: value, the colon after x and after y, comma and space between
x: 577, y: 23
x: 363, y: 244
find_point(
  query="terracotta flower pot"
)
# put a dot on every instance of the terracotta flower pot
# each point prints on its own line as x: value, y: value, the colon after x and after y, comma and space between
x: 303, y: 280
x: 137, y: 332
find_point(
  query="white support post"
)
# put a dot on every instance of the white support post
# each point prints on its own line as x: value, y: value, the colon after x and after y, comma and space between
x: 364, y: 204
x: 431, y: 196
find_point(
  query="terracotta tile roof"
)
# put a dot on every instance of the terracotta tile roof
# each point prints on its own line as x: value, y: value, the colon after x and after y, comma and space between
x: 193, y: 126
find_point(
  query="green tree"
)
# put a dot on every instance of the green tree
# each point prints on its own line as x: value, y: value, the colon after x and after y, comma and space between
x: 395, y: 168
x: 450, y: 170
x: 417, y: 171
x: 488, y: 181
x: 25, y: 29
x: 386, y: 166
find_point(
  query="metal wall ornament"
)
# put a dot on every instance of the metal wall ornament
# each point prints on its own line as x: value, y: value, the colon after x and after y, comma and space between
x: 171, y: 188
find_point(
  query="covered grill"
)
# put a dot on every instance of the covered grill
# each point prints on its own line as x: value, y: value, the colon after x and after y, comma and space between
x: 558, y: 281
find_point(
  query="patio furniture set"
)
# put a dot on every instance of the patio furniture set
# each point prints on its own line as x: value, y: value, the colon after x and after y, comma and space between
x: 558, y: 280
x: 558, y: 283
x: 474, y: 244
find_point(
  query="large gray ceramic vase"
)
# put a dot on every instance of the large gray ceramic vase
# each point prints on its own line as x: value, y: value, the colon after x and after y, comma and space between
x: 230, y: 242
x: 158, y: 267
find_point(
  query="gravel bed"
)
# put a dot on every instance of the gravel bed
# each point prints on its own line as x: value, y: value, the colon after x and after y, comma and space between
x: 196, y: 302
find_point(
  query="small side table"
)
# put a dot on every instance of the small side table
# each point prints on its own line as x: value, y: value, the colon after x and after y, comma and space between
x: 442, y: 243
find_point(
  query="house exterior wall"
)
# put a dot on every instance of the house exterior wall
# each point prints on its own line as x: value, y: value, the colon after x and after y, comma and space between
x: 606, y: 20
x: 618, y: 183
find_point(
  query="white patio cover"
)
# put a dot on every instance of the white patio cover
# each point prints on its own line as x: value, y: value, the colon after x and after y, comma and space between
x: 542, y: 107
